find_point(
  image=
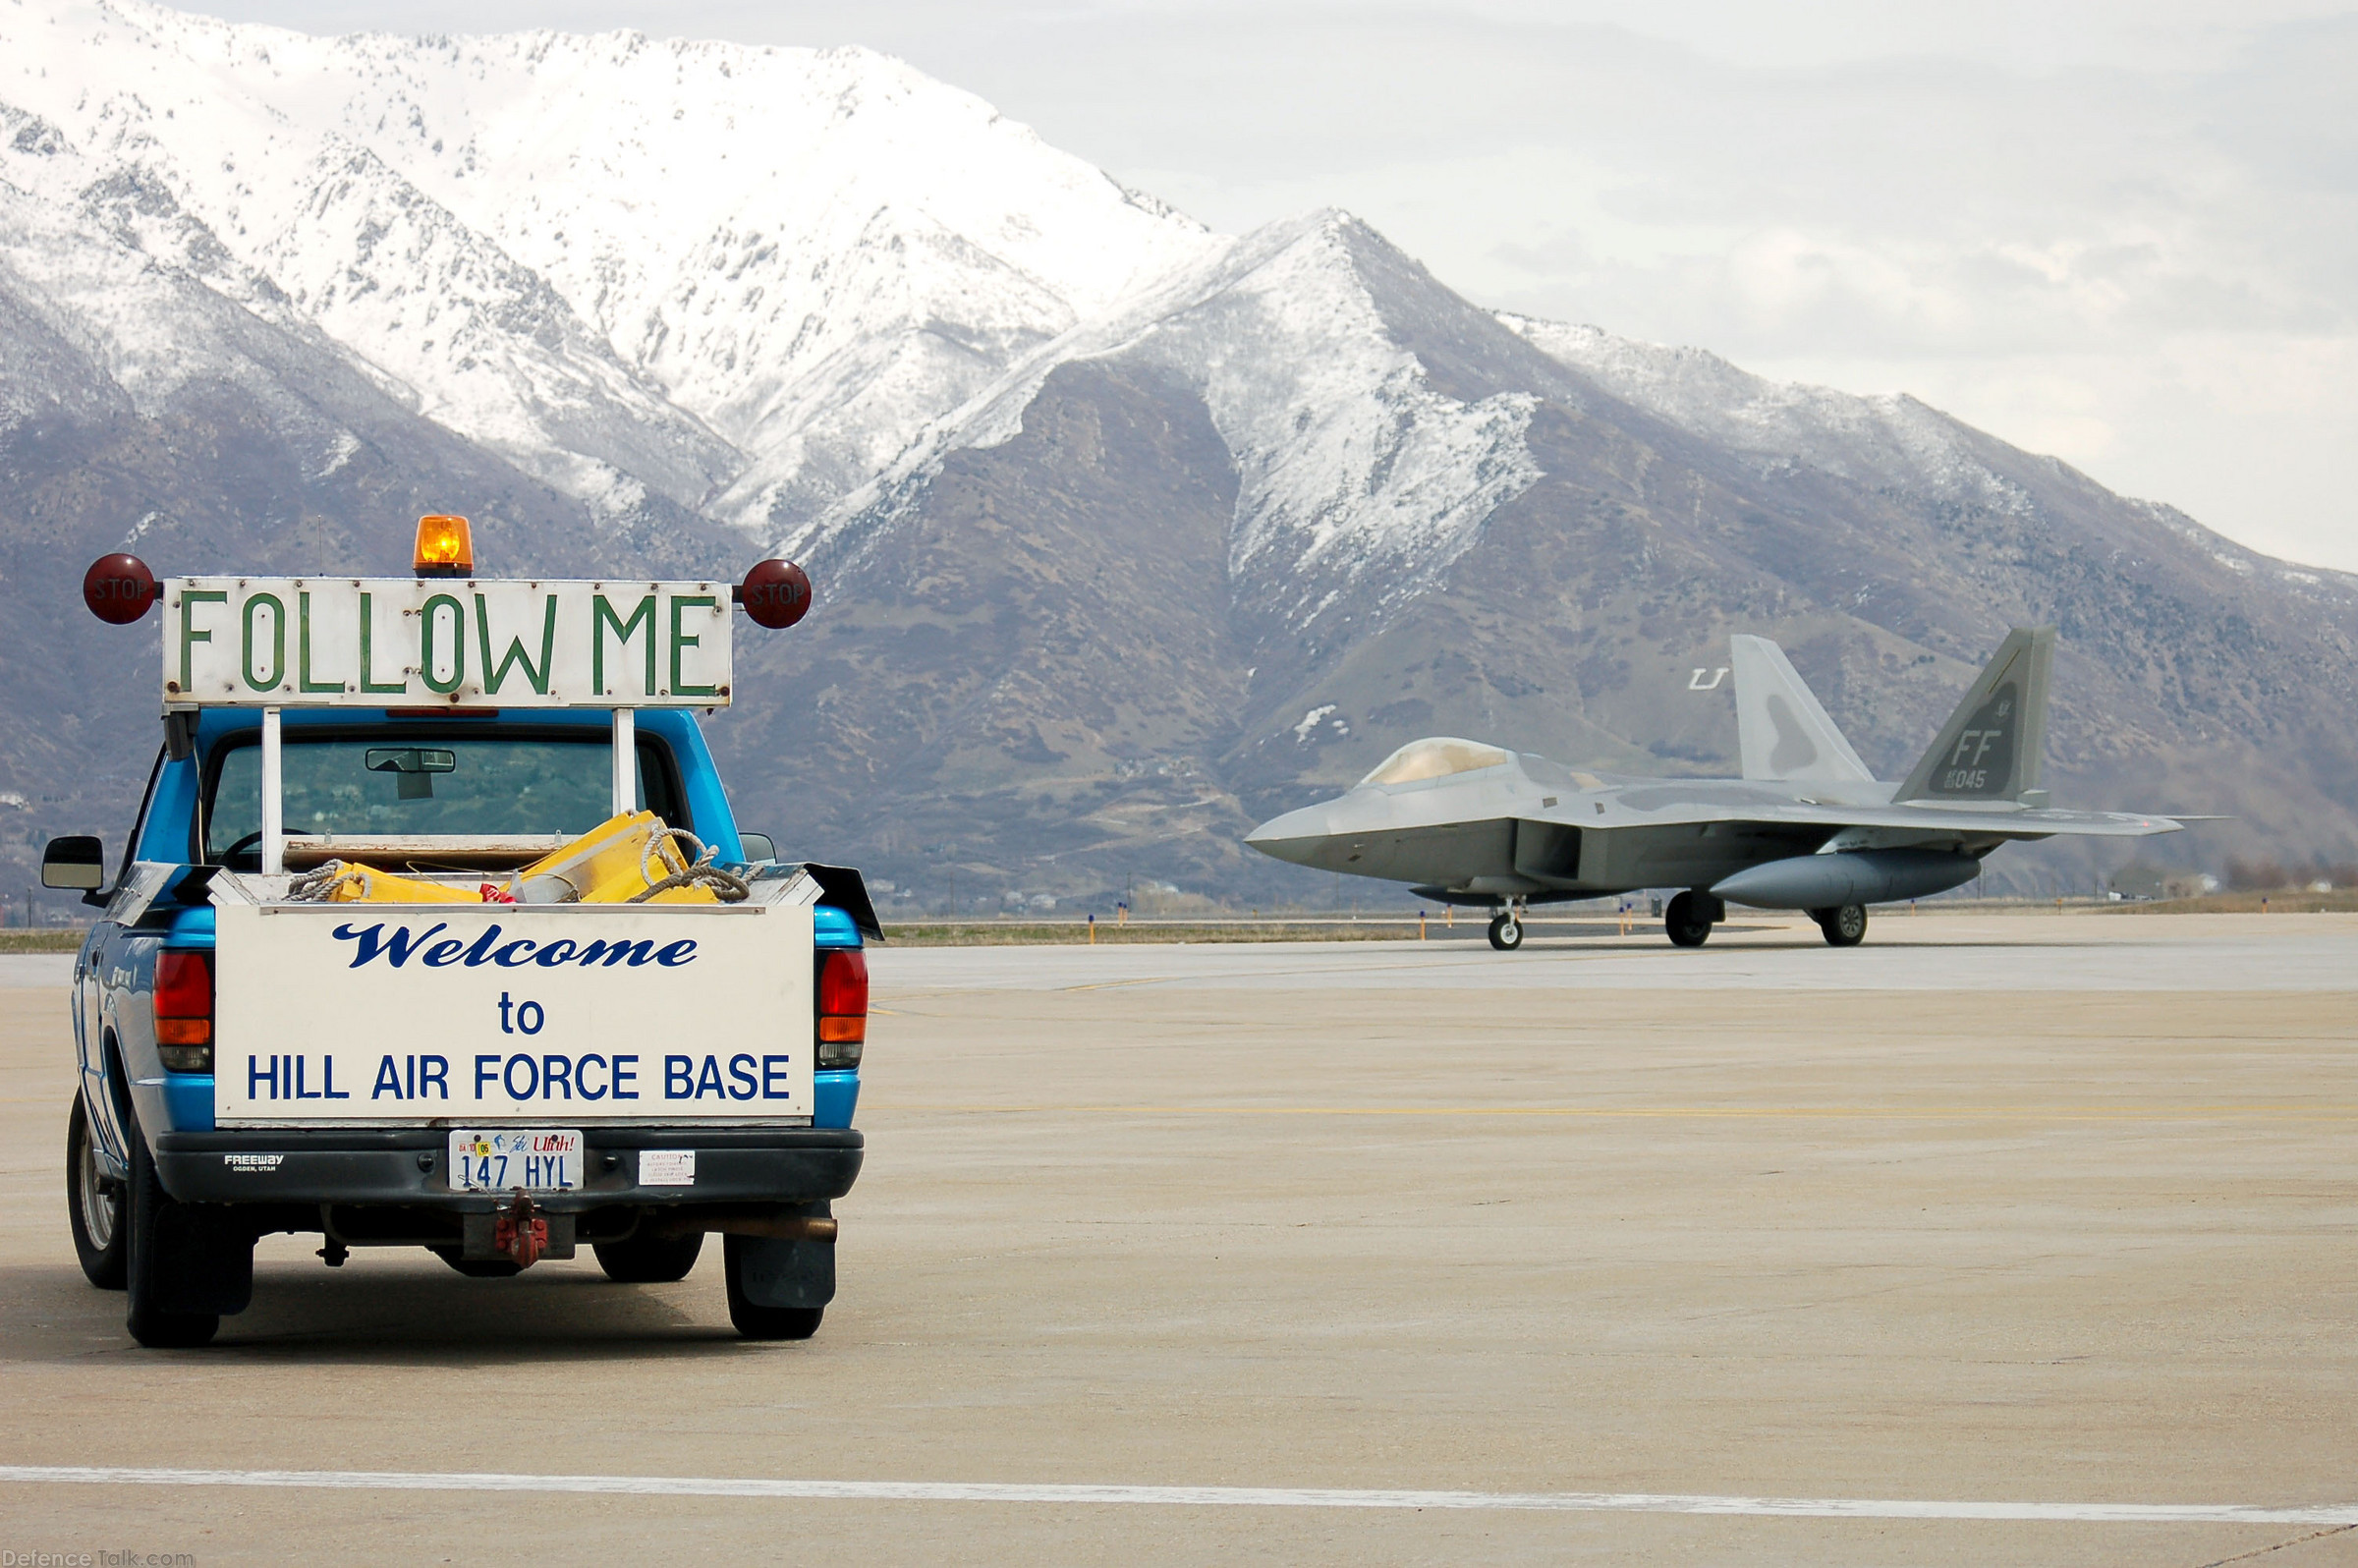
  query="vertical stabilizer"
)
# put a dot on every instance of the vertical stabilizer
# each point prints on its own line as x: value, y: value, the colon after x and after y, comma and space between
x: 1781, y: 731
x: 1990, y: 748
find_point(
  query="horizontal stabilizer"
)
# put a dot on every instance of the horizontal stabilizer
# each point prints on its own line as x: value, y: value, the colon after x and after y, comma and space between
x: 1781, y: 728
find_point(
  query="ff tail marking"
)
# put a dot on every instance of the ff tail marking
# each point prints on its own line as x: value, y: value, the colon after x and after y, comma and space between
x: 1990, y: 748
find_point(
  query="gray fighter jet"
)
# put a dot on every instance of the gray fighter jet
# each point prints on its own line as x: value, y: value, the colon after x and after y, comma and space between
x: 1807, y: 827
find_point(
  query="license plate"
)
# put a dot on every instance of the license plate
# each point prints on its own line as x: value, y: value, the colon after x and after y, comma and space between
x: 538, y: 1160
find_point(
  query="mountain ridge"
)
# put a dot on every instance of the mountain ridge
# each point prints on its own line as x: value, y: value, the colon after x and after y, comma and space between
x: 1126, y: 533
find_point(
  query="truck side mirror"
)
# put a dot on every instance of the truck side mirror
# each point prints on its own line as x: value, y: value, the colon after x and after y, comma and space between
x: 758, y: 846
x: 78, y: 861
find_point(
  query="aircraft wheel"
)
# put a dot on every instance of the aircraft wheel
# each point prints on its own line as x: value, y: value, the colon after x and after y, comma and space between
x: 1684, y: 925
x: 1506, y: 934
x: 1845, y: 927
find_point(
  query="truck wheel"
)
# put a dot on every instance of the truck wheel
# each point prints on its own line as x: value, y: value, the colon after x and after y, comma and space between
x: 773, y: 1323
x: 150, y: 1323
x: 93, y: 1205
x: 755, y: 1321
x: 650, y: 1260
x: 478, y: 1268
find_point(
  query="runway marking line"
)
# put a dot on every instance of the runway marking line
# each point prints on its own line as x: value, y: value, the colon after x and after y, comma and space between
x: 2035, y: 1113
x: 1190, y: 1497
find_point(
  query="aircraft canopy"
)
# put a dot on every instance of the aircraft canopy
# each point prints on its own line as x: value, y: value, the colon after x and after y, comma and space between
x: 1435, y: 758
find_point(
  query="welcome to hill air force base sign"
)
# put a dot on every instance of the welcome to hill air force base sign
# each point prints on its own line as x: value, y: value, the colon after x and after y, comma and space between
x: 443, y: 643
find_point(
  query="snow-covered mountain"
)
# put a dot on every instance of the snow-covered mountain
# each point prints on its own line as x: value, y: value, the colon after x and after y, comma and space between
x: 1891, y: 439
x: 741, y: 278
x: 1351, y: 465
x: 766, y: 285
x: 1127, y: 532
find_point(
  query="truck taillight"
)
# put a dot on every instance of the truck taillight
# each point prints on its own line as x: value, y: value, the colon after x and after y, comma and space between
x: 842, y: 1007
x: 184, y: 1011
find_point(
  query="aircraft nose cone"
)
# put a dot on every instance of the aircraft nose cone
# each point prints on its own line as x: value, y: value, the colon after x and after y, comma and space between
x: 1294, y: 836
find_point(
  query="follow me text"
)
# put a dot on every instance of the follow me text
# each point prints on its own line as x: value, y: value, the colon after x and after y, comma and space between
x: 371, y: 641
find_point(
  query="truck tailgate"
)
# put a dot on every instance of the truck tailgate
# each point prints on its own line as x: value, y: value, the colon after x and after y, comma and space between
x: 393, y: 1015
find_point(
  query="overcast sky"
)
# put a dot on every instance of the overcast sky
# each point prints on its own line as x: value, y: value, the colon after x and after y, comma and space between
x: 2125, y: 234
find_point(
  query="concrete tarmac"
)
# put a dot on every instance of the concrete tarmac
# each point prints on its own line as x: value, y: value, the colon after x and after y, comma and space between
x: 2015, y: 1209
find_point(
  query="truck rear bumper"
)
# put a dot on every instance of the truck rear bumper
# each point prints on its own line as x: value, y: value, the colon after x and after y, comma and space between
x: 408, y: 1167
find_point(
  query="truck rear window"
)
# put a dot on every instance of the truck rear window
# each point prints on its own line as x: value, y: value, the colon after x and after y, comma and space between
x: 406, y: 784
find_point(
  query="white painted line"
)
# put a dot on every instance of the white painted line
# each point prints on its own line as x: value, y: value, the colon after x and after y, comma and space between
x: 1190, y: 1497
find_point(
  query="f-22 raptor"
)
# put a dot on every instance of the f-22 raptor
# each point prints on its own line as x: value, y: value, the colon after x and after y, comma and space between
x: 1807, y: 827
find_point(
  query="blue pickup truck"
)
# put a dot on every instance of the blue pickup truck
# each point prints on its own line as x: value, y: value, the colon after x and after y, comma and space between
x: 319, y: 997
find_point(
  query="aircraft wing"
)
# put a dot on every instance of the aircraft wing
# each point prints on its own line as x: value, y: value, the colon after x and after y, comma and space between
x: 2043, y: 822
x: 1972, y: 822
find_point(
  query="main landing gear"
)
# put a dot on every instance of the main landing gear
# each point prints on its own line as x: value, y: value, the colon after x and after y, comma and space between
x: 1844, y: 927
x: 1506, y: 930
x: 1689, y: 919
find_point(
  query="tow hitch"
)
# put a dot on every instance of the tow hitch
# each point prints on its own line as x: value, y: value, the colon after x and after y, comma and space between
x: 519, y: 1232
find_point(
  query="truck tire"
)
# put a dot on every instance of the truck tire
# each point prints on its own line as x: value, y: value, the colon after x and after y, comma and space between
x: 93, y: 1207
x: 177, y: 1260
x: 478, y: 1268
x: 773, y: 1323
x: 753, y: 1319
x: 650, y: 1260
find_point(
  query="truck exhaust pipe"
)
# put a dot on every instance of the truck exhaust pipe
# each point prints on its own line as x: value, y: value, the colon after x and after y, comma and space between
x: 761, y: 1222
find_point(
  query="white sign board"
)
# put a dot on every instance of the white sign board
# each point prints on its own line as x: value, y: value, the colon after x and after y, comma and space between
x: 556, y: 1014
x: 256, y: 641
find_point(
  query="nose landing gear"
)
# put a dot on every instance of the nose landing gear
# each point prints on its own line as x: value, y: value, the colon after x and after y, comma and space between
x: 1506, y: 930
